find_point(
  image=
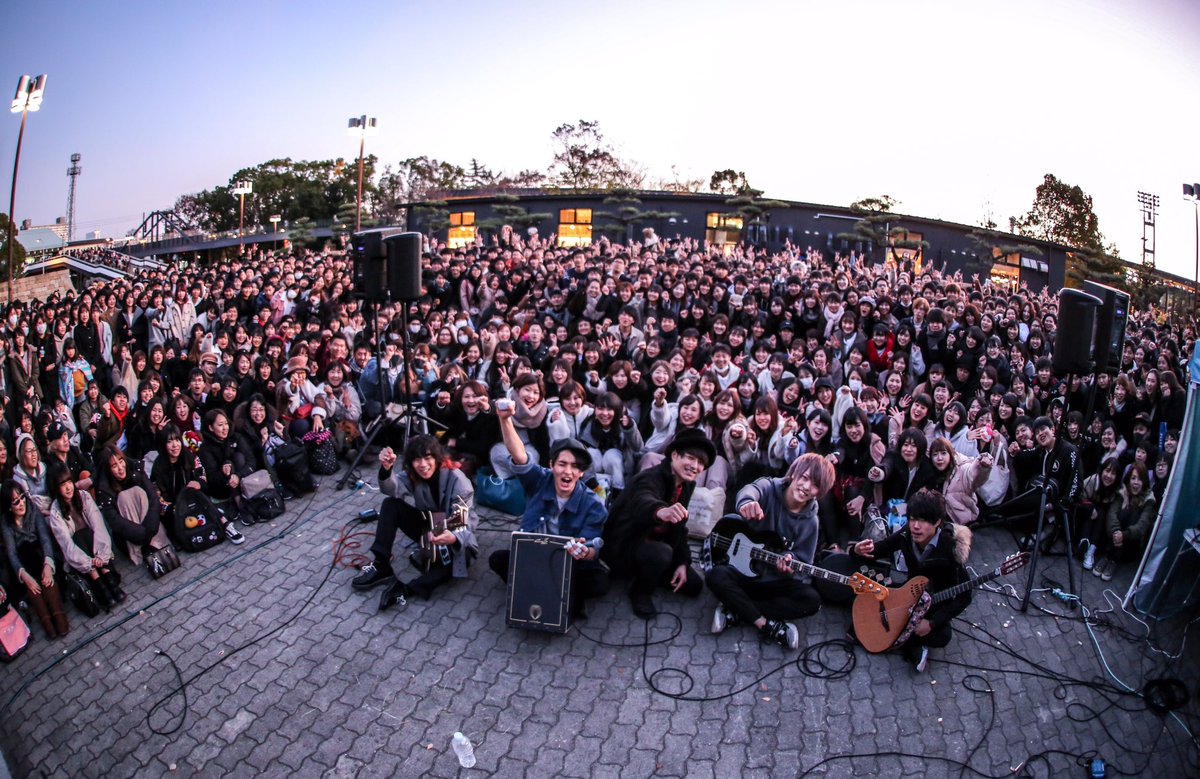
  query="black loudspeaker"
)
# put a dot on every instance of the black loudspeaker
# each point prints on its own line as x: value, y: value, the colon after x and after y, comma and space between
x: 369, y: 254
x: 404, y: 266
x: 1076, y: 332
x: 1111, y: 318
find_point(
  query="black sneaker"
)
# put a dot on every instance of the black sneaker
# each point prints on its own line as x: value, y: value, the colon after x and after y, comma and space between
x: 785, y: 634
x: 371, y: 576
x: 233, y: 534
x: 643, y: 604
x: 394, y: 595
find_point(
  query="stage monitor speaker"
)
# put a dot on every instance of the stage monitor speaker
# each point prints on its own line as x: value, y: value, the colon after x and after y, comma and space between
x: 369, y: 254
x: 1076, y: 332
x: 404, y: 266
x: 1111, y: 319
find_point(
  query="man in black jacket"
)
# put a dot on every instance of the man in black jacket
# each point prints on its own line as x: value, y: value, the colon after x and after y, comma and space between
x: 646, y: 533
x: 937, y: 549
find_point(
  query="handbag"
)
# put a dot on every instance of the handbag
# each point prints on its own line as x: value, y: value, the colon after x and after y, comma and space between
x: 994, y: 490
x: 14, y: 635
x: 161, y: 562
x: 506, y: 495
x: 256, y: 482
x: 322, y: 457
x: 79, y: 590
x: 304, y: 412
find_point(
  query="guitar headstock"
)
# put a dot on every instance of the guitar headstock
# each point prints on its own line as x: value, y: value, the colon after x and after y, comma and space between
x: 1014, y: 562
x: 865, y: 585
x: 458, y: 517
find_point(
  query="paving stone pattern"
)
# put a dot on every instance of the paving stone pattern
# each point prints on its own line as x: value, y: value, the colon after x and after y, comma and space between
x: 336, y: 689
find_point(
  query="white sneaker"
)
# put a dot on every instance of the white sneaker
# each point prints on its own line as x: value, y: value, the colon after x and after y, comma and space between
x: 233, y: 534
x: 1098, y: 567
x: 721, y: 620
x: 1089, y: 558
x: 1110, y: 567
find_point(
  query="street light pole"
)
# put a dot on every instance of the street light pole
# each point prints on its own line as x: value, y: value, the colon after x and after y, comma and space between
x: 361, y: 126
x: 1192, y: 192
x: 275, y: 220
x: 27, y: 98
x: 241, y: 189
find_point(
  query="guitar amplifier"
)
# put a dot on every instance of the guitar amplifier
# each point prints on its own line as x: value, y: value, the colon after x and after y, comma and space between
x: 539, y: 582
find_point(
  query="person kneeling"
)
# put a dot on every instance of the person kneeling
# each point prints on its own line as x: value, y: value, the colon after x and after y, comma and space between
x: 936, y: 549
x: 646, y: 533
x: 428, y: 483
x: 788, y: 508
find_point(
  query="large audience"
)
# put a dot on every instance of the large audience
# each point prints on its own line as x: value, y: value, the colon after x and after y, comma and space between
x: 120, y: 398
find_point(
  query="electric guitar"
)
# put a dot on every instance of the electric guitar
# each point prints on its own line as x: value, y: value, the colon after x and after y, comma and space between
x: 439, y: 523
x: 885, y: 623
x: 746, y: 549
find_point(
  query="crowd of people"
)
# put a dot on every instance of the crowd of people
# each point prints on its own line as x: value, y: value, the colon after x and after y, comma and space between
x: 580, y: 367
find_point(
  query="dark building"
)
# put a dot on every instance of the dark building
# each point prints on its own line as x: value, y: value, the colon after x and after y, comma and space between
x: 578, y: 218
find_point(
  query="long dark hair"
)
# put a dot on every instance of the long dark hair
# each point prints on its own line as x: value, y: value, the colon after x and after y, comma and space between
x: 56, y: 474
x: 425, y: 446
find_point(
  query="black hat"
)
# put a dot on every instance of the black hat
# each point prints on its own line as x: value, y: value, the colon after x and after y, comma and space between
x: 694, y: 441
x: 56, y: 431
x: 582, y: 458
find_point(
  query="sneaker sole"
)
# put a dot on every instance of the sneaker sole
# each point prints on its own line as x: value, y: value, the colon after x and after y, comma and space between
x: 371, y: 586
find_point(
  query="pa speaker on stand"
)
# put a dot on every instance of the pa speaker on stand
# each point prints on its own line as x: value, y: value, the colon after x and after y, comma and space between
x: 1111, y: 319
x: 1073, y: 343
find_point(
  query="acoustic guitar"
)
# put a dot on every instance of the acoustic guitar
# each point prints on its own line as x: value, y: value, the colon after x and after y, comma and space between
x: 747, y: 549
x: 439, y: 522
x: 885, y: 623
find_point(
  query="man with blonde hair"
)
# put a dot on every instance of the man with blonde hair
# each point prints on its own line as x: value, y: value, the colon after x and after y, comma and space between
x: 786, y: 507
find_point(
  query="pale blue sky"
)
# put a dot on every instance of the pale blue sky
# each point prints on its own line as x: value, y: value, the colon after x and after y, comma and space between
x: 951, y: 107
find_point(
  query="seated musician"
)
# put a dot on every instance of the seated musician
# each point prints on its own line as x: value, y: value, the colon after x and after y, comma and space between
x: 937, y: 549
x: 427, y: 482
x: 788, y: 508
x: 556, y: 502
x: 646, y: 533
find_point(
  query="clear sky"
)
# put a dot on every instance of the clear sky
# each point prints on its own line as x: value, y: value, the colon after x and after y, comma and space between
x: 953, y: 108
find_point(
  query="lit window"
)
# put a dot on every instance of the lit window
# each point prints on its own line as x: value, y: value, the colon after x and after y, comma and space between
x: 724, y: 230
x: 462, y: 229
x: 575, y: 227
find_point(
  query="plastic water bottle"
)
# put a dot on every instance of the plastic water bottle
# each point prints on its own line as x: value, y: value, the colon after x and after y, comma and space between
x: 464, y: 750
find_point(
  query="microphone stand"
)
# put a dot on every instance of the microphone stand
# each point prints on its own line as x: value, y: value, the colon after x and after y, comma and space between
x: 1044, y: 498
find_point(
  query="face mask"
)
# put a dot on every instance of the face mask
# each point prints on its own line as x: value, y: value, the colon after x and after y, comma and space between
x: 806, y: 382
x: 855, y: 386
x: 12, y: 321
x: 464, y: 340
x: 41, y: 328
x: 414, y: 328
x: 291, y: 295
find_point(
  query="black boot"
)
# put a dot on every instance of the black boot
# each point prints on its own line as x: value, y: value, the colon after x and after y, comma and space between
x: 101, y: 593
x: 112, y: 580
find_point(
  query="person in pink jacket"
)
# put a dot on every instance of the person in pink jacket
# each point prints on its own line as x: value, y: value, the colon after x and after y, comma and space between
x: 960, y: 478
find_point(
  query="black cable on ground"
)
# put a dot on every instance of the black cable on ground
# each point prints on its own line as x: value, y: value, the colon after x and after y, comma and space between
x: 183, y: 684
x: 68, y: 653
x: 813, y: 661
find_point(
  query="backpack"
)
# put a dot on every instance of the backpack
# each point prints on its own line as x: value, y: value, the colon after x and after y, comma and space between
x: 196, y: 525
x: 291, y: 465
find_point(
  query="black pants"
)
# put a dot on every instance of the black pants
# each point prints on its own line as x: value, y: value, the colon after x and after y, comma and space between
x: 589, y: 579
x: 652, y: 567
x: 396, y: 515
x: 754, y: 598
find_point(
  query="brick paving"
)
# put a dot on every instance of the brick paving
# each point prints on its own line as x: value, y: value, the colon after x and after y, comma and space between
x: 342, y: 691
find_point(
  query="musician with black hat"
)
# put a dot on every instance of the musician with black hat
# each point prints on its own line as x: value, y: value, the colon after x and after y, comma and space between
x: 646, y: 533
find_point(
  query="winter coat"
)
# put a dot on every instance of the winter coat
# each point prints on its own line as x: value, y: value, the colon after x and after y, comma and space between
x: 454, y: 490
x: 64, y: 527
x: 968, y: 476
x: 632, y: 518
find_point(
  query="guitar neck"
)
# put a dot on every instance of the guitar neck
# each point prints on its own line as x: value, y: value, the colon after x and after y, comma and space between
x: 800, y: 567
x: 959, y: 589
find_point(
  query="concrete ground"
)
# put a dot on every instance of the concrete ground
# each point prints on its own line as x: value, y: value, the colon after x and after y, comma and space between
x: 306, y: 679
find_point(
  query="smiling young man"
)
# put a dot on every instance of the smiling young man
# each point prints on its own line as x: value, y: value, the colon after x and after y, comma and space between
x: 933, y: 547
x: 788, y: 508
x: 556, y: 502
x: 645, y: 537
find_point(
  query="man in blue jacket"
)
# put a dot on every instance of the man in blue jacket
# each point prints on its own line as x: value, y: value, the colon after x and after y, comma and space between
x: 557, y: 503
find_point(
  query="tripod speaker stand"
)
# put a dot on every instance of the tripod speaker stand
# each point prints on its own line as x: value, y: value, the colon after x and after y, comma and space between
x: 387, y: 268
